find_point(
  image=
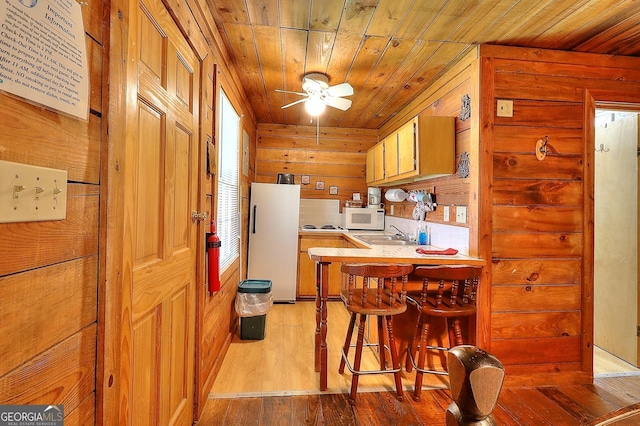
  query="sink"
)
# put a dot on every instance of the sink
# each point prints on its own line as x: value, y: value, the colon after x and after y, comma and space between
x: 387, y: 240
x: 393, y: 242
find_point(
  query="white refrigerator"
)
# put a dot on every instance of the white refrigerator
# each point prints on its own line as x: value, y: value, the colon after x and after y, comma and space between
x: 273, y: 237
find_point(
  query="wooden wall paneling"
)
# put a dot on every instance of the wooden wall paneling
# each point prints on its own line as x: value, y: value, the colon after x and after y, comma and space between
x: 537, y: 271
x: 39, y: 303
x: 536, y: 245
x: 84, y: 414
x: 521, y: 139
x: 29, y: 245
x: 540, y: 297
x: 64, y: 374
x: 537, y: 218
x: 337, y: 160
x: 95, y: 58
x: 536, y: 324
x: 541, y: 350
x: 532, y: 191
x: 93, y: 19
x: 69, y: 144
x: 528, y: 167
x: 543, y: 114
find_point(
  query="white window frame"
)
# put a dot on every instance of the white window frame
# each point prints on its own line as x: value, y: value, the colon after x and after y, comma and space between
x: 228, y: 212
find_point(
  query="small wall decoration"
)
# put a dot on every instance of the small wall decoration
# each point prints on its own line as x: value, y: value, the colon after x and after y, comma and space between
x: 463, y: 165
x: 333, y: 190
x: 320, y: 185
x: 305, y: 180
x: 465, y: 109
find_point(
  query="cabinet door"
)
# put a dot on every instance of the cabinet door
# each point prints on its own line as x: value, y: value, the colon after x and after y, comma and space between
x: 371, y: 161
x: 390, y: 155
x: 379, y: 172
x: 406, y: 148
x: 307, y: 267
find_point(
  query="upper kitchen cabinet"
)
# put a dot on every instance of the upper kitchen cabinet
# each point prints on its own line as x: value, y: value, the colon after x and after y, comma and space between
x: 375, y: 164
x: 422, y: 148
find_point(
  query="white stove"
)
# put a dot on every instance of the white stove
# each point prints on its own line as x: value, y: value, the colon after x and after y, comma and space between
x: 321, y: 228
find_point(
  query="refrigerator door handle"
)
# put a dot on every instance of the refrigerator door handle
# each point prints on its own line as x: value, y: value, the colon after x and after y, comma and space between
x: 255, y: 210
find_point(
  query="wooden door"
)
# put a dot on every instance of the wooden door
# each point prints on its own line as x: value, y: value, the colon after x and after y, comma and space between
x: 161, y: 169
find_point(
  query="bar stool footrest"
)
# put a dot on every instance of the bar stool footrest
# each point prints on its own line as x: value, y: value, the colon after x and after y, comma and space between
x: 366, y: 372
x: 424, y: 370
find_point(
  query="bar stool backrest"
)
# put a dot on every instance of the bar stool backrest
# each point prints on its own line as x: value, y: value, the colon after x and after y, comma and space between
x: 382, y: 285
x: 456, y: 286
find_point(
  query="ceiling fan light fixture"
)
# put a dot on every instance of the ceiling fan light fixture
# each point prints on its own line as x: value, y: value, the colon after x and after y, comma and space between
x: 315, y: 106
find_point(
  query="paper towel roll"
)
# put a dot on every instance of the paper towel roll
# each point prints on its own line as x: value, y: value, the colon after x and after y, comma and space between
x: 395, y: 195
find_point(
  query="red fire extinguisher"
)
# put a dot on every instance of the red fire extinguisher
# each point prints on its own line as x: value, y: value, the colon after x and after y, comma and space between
x: 213, y: 256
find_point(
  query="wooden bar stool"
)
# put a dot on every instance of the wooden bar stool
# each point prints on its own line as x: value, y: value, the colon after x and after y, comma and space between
x: 452, y: 295
x: 382, y: 294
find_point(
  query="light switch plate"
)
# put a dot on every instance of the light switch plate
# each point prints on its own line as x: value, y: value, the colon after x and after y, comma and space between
x: 445, y: 213
x: 461, y: 214
x: 31, y: 193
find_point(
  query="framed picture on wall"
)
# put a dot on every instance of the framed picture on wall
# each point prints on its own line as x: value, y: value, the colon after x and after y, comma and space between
x: 320, y: 185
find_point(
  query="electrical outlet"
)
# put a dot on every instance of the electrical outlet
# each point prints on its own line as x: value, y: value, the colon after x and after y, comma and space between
x: 505, y: 108
x: 391, y: 210
x: 445, y: 213
x: 461, y: 214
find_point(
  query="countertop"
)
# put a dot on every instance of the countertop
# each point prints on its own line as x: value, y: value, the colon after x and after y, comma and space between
x: 385, y: 253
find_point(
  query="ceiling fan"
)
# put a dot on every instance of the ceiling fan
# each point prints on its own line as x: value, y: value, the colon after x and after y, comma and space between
x: 318, y: 94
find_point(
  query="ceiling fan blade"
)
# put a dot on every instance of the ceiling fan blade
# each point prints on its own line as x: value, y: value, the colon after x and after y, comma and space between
x: 343, y: 89
x: 312, y: 85
x: 293, y: 103
x: 340, y: 103
x: 289, y: 91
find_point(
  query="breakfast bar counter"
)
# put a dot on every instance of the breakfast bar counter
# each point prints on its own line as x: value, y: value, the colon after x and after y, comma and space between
x: 324, y: 256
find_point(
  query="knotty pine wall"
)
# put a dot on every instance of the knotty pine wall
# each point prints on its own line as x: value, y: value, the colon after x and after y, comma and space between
x: 50, y: 270
x: 537, y: 216
x: 336, y: 158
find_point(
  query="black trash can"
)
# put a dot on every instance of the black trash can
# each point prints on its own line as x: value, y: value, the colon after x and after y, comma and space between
x: 254, y: 297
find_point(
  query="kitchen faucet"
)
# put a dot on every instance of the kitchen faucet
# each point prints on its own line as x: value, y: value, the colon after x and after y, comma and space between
x: 401, y: 234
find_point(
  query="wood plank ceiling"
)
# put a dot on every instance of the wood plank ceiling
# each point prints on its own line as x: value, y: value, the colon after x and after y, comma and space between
x: 390, y: 50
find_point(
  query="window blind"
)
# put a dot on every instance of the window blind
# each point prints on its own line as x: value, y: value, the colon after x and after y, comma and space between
x: 228, y: 222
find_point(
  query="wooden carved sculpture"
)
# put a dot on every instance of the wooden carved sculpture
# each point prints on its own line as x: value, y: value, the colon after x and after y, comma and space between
x: 476, y: 378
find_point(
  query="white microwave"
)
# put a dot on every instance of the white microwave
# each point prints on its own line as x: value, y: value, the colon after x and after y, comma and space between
x: 363, y: 218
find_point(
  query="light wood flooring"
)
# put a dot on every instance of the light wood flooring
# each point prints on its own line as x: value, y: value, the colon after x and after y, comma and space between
x: 282, y: 363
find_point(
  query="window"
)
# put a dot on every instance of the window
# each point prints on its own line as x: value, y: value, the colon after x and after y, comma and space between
x: 228, y: 216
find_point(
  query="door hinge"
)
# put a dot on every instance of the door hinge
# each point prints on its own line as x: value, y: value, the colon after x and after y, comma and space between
x: 638, y: 331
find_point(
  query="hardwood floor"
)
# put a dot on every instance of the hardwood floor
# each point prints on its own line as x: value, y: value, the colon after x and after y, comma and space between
x: 269, y: 383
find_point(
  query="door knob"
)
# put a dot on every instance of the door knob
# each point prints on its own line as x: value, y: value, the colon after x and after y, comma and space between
x: 195, y: 216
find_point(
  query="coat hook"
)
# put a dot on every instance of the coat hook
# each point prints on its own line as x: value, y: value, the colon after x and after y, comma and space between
x: 541, y: 148
x: 602, y: 148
